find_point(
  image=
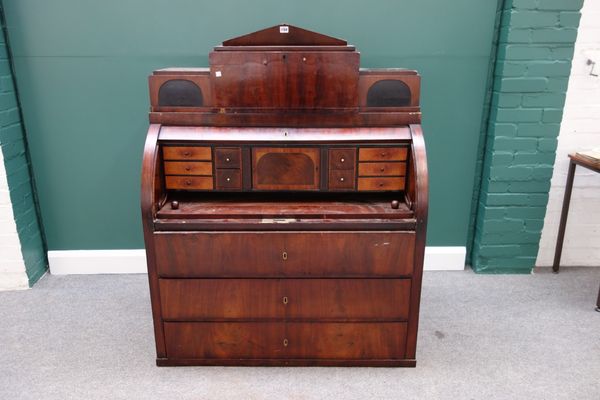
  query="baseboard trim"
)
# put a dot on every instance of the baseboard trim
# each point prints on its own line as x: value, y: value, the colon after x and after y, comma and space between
x: 445, y: 258
x: 82, y: 262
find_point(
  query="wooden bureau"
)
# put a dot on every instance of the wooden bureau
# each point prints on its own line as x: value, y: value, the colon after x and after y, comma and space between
x: 284, y: 204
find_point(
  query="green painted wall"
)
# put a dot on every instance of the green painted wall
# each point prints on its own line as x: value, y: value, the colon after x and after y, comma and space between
x: 82, y: 68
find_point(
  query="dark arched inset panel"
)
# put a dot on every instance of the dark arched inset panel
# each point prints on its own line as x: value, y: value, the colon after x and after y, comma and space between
x: 179, y: 93
x: 388, y: 93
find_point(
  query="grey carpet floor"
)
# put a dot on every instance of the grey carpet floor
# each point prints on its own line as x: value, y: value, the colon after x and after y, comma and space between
x: 481, y: 337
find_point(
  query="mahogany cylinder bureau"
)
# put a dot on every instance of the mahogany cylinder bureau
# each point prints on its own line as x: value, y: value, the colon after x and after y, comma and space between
x: 284, y: 205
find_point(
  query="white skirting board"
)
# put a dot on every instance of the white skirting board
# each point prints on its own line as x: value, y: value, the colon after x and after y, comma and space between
x: 68, y: 262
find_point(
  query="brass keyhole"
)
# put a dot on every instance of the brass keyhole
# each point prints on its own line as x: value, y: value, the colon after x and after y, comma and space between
x: 285, y: 342
x: 285, y: 300
x: 284, y: 255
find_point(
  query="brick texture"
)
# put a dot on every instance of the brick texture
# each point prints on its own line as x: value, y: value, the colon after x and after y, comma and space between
x: 532, y: 66
x: 580, y: 130
x: 20, y: 233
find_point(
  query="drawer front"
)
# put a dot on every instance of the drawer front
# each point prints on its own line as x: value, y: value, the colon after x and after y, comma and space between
x: 188, y: 168
x: 358, y: 340
x: 364, y: 299
x: 382, y: 154
x: 285, y: 168
x: 187, y: 299
x: 341, y: 179
x: 186, y: 153
x: 224, y: 339
x: 342, y: 158
x: 300, y: 340
x: 284, y: 254
x: 380, y: 184
x: 228, y: 157
x: 189, y: 182
x: 382, y: 169
x: 229, y: 179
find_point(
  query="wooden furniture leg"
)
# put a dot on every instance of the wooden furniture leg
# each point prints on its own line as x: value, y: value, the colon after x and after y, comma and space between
x: 598, y: 301
x: 563, y: 217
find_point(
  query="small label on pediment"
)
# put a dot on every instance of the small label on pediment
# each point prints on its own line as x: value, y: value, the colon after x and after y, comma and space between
x: 284, y: 29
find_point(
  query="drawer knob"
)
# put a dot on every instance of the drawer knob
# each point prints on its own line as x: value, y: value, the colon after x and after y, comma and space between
x: 188, y: 182
x: 228, y: 179
x: 227, y: 159
x: 382, y: 169
x: 285, y: 300
x: 342, y: 179
x: 284, y: 255
x: 395, y: 204
x: 187, y: 153
x: 285, y: 343
x: 174, y: 205
x: 187, y: 168
x: 342, y: 159
x: 383, y: 154
x: 380, y: 184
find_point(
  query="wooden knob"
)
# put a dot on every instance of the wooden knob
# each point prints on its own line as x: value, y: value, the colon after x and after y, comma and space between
x: 382, y: 154
x: 188, y: 182
x: 382, y: 169
x: 380, y: 184
x: 187, y: 153
x: 175, y: 205
x: 187, y: 168
x: 395, y: 204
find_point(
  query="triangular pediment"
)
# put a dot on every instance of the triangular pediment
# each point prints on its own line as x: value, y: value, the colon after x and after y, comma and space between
x: 284, y: 35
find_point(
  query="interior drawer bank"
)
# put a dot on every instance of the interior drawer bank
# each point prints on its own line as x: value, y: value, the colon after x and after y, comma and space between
x: 303, y: 340
x: 284, y: 254
x: 366, y: 299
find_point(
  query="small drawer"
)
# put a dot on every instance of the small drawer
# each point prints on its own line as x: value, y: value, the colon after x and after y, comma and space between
x: 380, y: 184
x: 227, y: 157
x: 342, y: 158
x: 382, y: 169
x: 382, y: 154
x: 188, y: 168
x: 186, y: 153
x: 341, y: 179
x: 228, y: 179
x: 189, y: 182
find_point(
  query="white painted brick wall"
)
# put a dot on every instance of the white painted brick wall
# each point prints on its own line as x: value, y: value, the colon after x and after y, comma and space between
x: 12, y: 266
x: 580, y: 130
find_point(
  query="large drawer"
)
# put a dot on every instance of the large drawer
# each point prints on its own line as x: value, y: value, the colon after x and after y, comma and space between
x: 366, y: 299
x: 284, y: 254
x: 308, y: 340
